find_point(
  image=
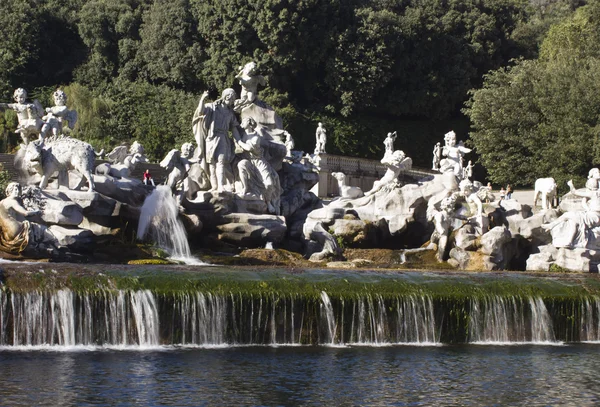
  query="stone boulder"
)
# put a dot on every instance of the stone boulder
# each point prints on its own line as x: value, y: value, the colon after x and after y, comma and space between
x: 250, y: 230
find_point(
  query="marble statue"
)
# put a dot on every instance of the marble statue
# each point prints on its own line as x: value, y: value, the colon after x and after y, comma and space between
x: 289, y: 144
x: 389, y: 144
x: 122, y: 154
x: 249, y: 80
x: 454, y: 155
x: 437, y: 157
x: 57, y: 115
x: 573, y: 229
x: 321, y: 136
x: 346, y: 191
x: 396, y: 163
x: 28, y: 114
x: 257, y: 177
x: 468, y: 170
x: 442, y: 220
x: 212, y: 123
x: 60, y: 154
x: 546, y: 189
x: 179, y: 164
x: 14, y: 228
x: 467, y: 190
x: 121, y: 170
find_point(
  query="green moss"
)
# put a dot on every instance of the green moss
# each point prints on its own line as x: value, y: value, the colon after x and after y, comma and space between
x: 149, y: 261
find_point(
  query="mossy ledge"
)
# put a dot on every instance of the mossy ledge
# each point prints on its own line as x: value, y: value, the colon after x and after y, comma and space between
x: 308, y: 283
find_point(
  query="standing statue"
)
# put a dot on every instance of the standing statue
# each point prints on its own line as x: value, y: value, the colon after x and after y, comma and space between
x: 389, y: 144
x: 14, y: 229
x: 28, y: 114
x: 321, y: 136
x: 468, y: 170
x: 56, y: 115
x: 212, y: 123
x: 258, y: 178
x: 453, y: 153
x: 467, y: 190
x: 437, y: 156
x: 289, y: 144
x: 396, y: 163
x: 249, y: 80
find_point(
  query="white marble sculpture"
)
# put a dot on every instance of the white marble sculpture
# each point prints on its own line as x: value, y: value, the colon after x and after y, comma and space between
x: 179, y: 163
x: 396, y: 163
x: 212, y: 123
x: 442, y: 220
x: 60, y: 154
x: 468, y: 170
x: 123, y: 170
x: 321, y: 139
x: 28, y: 114
x: 257, y: 177
x: 545, y: 188
x: 249, y: 81
x: 289, y: 144
x: 389, y: 144
x: 57, y: 115
x: 573, y: 229
x: 122, y: 154
x: 468, y: 191
x: 14, y: 228
x: 437, y: 156
x: 346, y: 191
x: 453, y: 154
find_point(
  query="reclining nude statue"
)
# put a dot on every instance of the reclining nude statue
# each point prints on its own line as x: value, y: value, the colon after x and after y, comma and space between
x: 573, y: 229
x: 14, y: 229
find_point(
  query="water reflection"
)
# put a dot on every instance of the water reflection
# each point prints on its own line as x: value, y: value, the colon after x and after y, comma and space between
x: 447, y: 375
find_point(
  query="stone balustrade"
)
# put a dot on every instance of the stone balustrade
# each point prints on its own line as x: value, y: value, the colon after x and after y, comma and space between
x: 360, y: 172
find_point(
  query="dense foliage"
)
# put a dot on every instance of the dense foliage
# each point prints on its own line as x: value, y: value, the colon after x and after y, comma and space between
x: 135, y: 68
x: 541, y: 117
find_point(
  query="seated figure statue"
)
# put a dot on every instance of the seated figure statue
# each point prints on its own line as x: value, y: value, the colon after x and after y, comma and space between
x: 573, y: 229
x: 257, y: 177
x: 14, y: 229
x: 396, y: 163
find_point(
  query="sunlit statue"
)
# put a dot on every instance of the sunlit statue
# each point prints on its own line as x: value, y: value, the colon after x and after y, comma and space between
x: 57, y: 115
x: 289, y: 144
x: 258, y: 178
x: 442, y: 220
x: 395, y: 163
x: 454, y: 155
x: 321, y: 139
x: 437, y: 157
x: 468, y: 191
x: 15, y: 229
x: 249, y: 80
x: 28, y: 114
x: 212, y: 123
x: 573, y: 229
x: 389, y: 144
x: 179, y: 163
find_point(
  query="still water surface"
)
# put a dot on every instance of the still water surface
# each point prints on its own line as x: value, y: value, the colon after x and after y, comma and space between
x: 466, y: 375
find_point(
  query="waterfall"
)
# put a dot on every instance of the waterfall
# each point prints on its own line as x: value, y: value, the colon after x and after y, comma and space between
x: 143, y: 318
x: 328, y: 316
x: 495, y: 319
x: 159, y: 218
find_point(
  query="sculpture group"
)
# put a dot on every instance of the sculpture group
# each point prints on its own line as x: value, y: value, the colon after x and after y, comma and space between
x: 239, y: 179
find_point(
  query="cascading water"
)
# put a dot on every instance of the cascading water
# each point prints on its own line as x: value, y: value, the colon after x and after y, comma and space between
x: 504, y: 320
x: 159, y: 219
x: 144, y: 318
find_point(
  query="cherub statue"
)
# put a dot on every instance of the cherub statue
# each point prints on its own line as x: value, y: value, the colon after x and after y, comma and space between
x: 14, y: 229
x: 249, y: 80
x: 453, y: 154
x: 389, y: 144
x: 29, y: 115
x: 56, y: 115
x: 321, y: 136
